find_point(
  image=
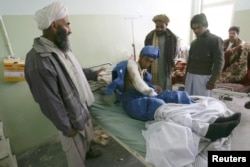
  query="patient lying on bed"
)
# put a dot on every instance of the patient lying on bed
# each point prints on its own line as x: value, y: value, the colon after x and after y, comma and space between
x: 142, y: 100
x: 185, y: 121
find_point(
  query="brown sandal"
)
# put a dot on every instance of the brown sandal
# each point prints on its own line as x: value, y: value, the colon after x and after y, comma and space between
x: 225, y: 97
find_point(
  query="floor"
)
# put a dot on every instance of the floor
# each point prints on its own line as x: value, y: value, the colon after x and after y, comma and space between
x: 241, y: 135
x: 51, y: 155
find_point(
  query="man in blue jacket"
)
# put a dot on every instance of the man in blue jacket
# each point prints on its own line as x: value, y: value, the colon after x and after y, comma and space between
x: 142, y: 100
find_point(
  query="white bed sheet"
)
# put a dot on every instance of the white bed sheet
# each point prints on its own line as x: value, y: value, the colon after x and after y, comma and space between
x: 171, y: 144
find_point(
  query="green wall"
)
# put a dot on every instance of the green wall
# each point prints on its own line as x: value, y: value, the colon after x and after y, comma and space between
x: 23, y: 121
x: 95, y: 39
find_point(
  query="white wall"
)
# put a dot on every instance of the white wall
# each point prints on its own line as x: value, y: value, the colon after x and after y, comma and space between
x: 120, y: 7
x: 241, y: 18
x: 242, y: 5
x: 106, y: 25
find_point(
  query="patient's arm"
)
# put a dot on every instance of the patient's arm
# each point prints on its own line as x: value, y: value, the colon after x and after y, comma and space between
x: 137, y: 80
x: 91, y: 74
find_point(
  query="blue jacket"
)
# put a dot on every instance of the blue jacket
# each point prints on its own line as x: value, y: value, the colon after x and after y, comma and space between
x: 136, y: 104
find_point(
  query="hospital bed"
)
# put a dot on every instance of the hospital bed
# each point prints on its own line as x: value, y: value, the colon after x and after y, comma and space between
x: 111, y: 117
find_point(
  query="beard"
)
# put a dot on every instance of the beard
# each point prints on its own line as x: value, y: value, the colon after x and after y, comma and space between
x: 62, y: 40
x: 159, y: 33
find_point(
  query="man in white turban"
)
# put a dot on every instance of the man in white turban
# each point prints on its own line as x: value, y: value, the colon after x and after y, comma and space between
x: 45, y: 16
x: 59, y: 86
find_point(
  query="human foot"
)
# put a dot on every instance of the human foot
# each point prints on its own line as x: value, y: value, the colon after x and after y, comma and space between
x: 220, y: 130
x: 234, y: 117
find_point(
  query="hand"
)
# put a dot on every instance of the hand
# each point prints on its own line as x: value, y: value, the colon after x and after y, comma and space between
x: 210, y: 86
x: 100, y: 70
x: 72, y: 133
x: 233, y: 50
x: 158, y: 89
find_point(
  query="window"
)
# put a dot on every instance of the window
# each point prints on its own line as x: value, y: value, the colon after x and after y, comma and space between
x: 219, y: 15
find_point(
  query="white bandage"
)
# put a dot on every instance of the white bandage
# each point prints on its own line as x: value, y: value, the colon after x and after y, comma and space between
x: 137, y: 80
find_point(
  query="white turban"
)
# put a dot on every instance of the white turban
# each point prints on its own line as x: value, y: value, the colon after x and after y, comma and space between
x: 53, y: 12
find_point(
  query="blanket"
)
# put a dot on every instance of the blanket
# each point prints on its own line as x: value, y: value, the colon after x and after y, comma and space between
x: 236, y: 73
x: 170, y: 144
x: 178, y: 74
x: 236, y: 66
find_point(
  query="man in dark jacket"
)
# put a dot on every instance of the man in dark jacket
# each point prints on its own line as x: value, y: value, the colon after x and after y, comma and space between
x: 166, y: 40
x: 205, y: 61
x: 58, y: 84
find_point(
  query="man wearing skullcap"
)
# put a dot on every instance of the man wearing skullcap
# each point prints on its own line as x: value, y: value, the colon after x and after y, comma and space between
x: 167, y: 42
x: 59, y: 85
x: 205, y: 61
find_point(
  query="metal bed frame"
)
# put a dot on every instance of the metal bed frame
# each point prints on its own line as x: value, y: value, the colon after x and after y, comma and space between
x: 125, y: 146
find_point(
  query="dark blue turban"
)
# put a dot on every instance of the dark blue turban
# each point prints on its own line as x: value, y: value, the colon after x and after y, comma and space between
x: 150, y: 51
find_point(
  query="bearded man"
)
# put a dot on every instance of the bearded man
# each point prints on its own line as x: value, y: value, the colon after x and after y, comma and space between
x: 58, y: 84
x: 167, y: 42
